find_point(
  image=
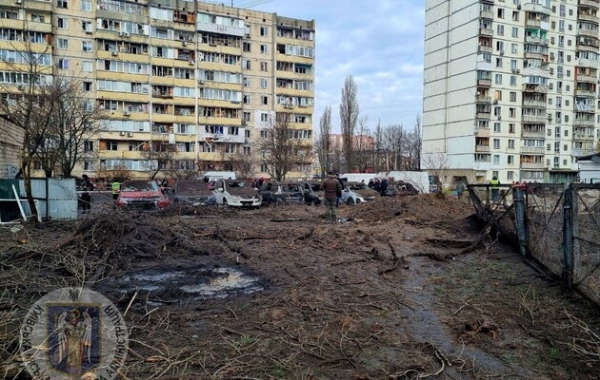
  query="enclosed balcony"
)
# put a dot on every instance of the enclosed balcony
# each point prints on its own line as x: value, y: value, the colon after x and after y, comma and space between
x: 592, y: 4
x: 537, y: 6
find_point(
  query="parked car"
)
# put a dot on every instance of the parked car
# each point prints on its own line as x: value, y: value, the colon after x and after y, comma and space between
x: 350, y: 197
x: 305, y: 192
x: 142, y: 195
x: 273, y: 193
x: 195, y: 192
x: 236, y: 193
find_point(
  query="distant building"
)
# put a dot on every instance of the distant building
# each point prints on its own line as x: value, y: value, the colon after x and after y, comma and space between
x: 511, y: 88
x: 589, y: 168
x: 11, y: 140
x: 203, y: 77
x: 362, y: 142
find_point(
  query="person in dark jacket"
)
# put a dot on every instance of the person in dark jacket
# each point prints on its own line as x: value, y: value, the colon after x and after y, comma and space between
x: 339, y: 200
x: 86, y: 198
x: 333, y: 191
x: 383, y: 187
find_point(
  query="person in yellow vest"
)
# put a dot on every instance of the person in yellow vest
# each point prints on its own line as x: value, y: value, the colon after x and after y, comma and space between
x: 116, y: 189
x: 495, y: 187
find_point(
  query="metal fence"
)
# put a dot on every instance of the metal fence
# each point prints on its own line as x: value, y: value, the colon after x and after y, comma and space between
x: 556, y: 224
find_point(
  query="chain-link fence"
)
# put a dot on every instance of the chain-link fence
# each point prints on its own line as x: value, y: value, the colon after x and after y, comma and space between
x: 557, y: 224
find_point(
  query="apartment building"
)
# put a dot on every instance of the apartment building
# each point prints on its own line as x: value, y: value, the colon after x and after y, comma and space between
x: 203, y: 78
x: 511, y: 88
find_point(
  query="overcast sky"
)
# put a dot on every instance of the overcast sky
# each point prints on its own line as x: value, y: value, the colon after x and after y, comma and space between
x: 378, y: 42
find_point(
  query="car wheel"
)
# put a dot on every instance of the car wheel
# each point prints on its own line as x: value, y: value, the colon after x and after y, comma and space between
x: 224, y: 202
x: 350, y: 201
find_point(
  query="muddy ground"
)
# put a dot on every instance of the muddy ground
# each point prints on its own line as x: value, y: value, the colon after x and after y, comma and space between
x: 403, y: 288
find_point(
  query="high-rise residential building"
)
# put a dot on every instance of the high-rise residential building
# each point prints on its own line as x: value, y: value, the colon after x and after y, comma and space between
x: 204, y: 77
x: 510, y: 88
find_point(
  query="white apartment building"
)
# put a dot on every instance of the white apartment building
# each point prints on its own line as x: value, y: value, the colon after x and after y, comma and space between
x: 511, y: 88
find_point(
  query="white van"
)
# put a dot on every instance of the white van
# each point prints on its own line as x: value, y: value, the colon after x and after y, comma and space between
x: 357, y: 177
x: 214, y: 176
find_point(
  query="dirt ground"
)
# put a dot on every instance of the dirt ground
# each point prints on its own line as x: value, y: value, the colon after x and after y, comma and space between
x: 402, y: 288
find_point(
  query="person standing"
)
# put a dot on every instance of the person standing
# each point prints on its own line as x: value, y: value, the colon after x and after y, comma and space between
x: 460, y: 189
x: 86, y: 198
x: 343, y: 186
x: 495, y: 187
x: 383, y: 187
x: 116, y: 190
x: 333, y: 191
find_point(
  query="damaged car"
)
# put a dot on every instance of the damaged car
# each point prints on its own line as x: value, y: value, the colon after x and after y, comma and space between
x: 236, y: 193
x: 194, y: 192
x: 142, y: 195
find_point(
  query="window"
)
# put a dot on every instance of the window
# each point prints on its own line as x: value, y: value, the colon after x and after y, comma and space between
x: 515, y: 32
x: 86, y: 46
x: 510, y: 160
x: 510, y: 176
x: 246, y: 118
x: 513, y: 80
x: 497, y: 128
x: 514, y: 48
x: 498, y: 79
x: 511, y: 128
x: 86, y: 5
x: 246, y: 64
x: 264, y: 49
x: 88, y: 146
x: 112, y: 145
x: 264, y: 31
x: 246, y: 151
x: 63, y: 43
x: 264, y: 66
x: 496, y: 160
x: 88, y: 66
x: 566, y: 133
x: 500, y: 29
x: 496, y: 143
x: 247, y: 99
x: 246, y: 47
x: 63, y: 63
x: 511, y: 144
x: 86, y: 26
x: 500, y: 12
x: 515, y: 16
x: 62, y: 4
x: 499, y: 62
x: 87, y: 86
x: 264, y: 100
x: 62, y: 23
x: 513, y: 96
x: 264, y: 117
x: 88, y: 165
x: 264, y: 83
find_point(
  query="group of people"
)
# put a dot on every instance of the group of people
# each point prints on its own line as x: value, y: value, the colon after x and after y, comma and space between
x: 379, y: 185
x: 87, y: 186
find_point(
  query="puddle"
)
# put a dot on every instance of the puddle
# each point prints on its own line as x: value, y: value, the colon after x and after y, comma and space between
x: 192, y: 284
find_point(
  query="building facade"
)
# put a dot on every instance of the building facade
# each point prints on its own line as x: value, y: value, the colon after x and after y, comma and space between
x: 511, y: 88
x: 11, y: 138
x: 202, y: 78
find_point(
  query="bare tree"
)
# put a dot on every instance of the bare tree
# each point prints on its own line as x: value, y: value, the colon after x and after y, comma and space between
x: 436, y: 163
x: 349, y: 111
x: 279, y: 150
x: 363, y: 149
x: 417, y: 145
x: 379, y: 147
x: 242, y: 163
x: 159, y: 155
x: 323, y: 146
x: 393, y: 142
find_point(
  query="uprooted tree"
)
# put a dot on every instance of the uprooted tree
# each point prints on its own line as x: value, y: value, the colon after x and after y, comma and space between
x: 159, y: 155
x: 280, y: 151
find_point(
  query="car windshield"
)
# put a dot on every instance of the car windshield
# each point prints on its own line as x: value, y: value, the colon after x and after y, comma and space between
x: 139, y: 186
x: 236, y: 185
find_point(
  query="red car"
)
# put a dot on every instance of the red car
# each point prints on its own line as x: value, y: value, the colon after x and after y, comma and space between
x: 142, y: 195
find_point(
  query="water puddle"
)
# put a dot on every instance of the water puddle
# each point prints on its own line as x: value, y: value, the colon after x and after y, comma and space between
x: 191, y: 284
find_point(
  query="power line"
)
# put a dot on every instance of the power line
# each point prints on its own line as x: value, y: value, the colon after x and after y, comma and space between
x: 253, y: 3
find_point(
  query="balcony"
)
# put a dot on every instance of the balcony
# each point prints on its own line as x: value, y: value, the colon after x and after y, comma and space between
x: 534, y: 103
x: 533, y: 23
x: 533, y: 134
x: 482, y: 132
x: 482, y: 148
x: 535, y: 119
x: 486, y: 32
x: 587, y: 17
x: 590, y: 4
x: 587, y: 33
x: 487, y: 14
x: 482, y: 115
x: 586, y: 78
x: 583, y: 137
x: 532, y: 165
x: 584, y: 108
x: 485, y: 49
x: 224, y: 138
x: 484, y: 99
x: 535, y: 88
x: 484, y: 82
x: 583, y: 62
x: 532, y: 150
x: 530, y: 6
x: 536, y: 41
x: 220, y: 29
x: 583, y: 123
x: 540, y: 56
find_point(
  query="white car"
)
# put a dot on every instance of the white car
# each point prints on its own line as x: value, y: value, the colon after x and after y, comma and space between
x: 236, y: 193
x: 349, y: 197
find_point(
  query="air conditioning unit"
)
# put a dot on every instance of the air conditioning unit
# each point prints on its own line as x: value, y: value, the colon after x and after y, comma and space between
x: 499, y: 118
x: 126, y: 34
x: 495, y: 101
x: 200, y: 82
x: 18, y: 1
x: 89, y: 32
x: 501, y: 52
x: 551, y: 86
x: 126, y: 113
x: 192, y: 62
x: 518, y: 7
x: 183, y: 43
x: 288, y: 106
x: 478, y: 93
x: 121, y: 133
x: 114, y: 53
x: 247, y: 35
x: 120, y: 34
x: 244, y: 122
x: 130, y: 134
x: 549, y: 116
x: 552, y: 56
